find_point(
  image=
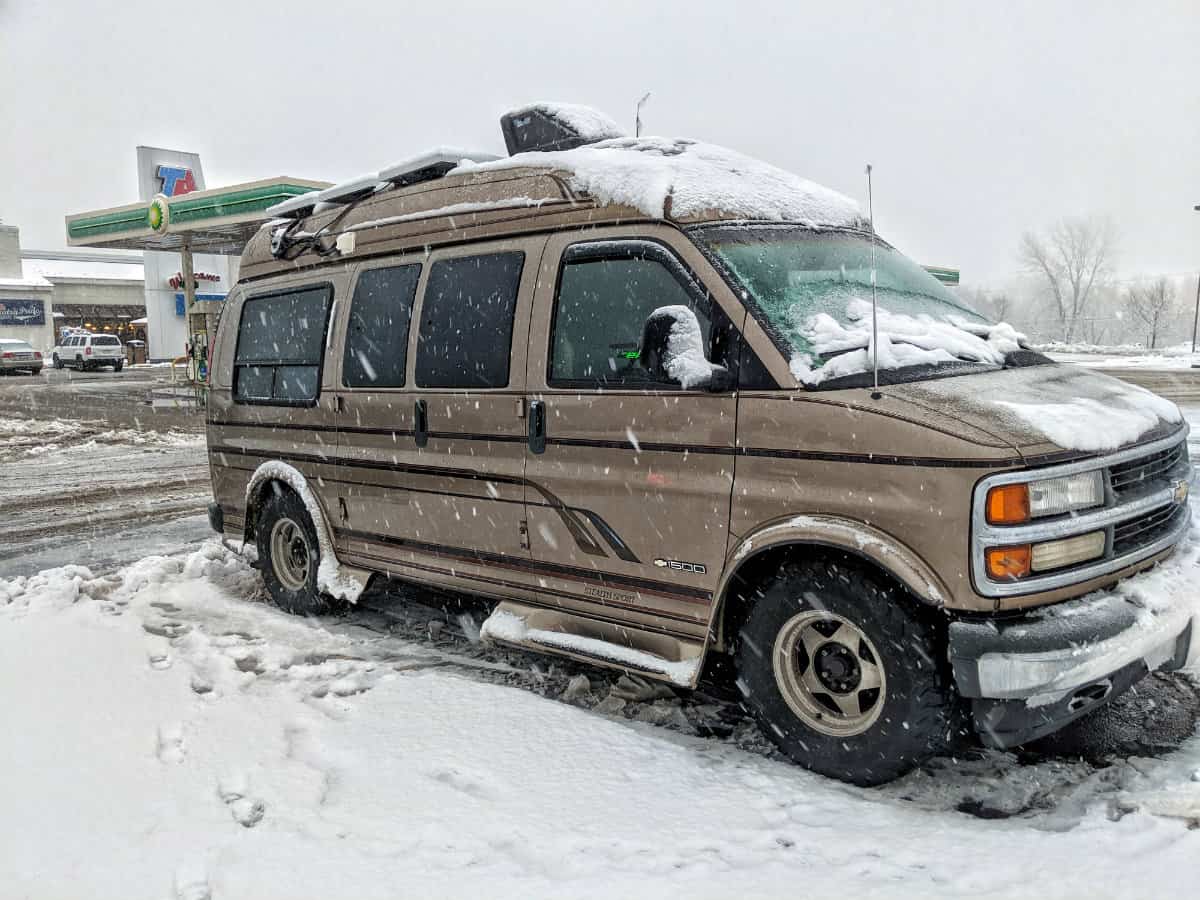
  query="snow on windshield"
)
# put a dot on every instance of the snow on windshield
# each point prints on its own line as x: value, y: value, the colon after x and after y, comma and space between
x: 696, y: 178
x: 904, y: 340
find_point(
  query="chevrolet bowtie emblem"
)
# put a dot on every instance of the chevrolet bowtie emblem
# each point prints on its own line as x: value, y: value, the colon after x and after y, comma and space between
x: 1181, y: 491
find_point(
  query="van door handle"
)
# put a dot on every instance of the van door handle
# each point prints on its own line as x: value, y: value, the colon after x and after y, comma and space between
x: 420, y: 423
x: 537, y: 426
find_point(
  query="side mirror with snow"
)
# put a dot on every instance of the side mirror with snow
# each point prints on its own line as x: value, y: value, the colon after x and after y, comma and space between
x: 672, y: 351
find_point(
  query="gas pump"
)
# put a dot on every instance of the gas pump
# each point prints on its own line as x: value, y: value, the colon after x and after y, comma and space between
x: 197, y: 353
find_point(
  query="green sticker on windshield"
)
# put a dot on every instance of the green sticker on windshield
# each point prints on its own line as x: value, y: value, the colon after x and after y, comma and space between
x: 632, y: 354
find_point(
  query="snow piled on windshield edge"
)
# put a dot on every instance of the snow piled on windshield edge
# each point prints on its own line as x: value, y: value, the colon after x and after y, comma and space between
x: 904, y: 340
x: 679, y: 178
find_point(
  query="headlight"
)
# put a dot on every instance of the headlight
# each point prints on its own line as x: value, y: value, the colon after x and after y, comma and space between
x: 1012, y: 504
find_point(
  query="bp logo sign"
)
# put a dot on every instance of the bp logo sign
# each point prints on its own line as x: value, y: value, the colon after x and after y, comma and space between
x: 159, y: 214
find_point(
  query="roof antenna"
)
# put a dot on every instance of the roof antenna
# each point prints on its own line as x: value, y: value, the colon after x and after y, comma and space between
x: 875, y: 395
x: 637, y: 116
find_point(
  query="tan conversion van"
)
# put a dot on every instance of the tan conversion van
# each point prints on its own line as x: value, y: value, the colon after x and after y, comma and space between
x: 627, y: 389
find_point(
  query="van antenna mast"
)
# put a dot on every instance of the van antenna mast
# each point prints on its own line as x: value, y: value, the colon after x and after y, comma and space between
x: 637, y: 116
x: 874, y: 300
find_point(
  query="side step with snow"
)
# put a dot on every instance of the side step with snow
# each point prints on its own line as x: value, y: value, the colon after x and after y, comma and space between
x: 629, y: 649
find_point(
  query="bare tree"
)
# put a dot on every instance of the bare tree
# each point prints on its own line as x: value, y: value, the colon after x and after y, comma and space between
x: 1072, y: 258
x: 1153, y: 303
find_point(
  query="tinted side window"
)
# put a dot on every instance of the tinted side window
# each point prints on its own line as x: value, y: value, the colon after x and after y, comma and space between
x: 599, y: 314
x: 377, y: 339
x: 281, y: 339
x: 105, y: 341
x: 467, y: 321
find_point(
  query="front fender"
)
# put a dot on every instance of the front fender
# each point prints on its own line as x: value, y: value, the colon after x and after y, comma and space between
x: 857, y: 538
x: 338, y: 580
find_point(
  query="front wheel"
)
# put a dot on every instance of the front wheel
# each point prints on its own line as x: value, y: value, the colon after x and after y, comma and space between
x: 844, y: 672
x: 290, y: 554
x: 58, y: 363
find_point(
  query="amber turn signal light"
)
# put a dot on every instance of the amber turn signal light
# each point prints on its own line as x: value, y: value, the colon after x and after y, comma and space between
x: 1007, y: 563
x: 1008, y: 504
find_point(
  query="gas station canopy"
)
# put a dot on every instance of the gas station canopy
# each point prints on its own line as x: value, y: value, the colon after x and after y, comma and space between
x: 220, y: 221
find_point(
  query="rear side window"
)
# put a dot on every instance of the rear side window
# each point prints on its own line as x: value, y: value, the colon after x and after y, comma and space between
x: 281, y: 339
x: 467, y: 321
x: 599, y: 314
x: 377, y: 339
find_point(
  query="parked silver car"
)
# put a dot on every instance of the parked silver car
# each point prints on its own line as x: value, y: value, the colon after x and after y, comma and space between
x: 19, y: 356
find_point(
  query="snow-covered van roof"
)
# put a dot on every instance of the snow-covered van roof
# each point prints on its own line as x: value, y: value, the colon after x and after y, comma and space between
x: 612, y: 180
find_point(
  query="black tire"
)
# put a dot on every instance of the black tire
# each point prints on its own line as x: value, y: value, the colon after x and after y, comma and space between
x: 58, y: 363
x: 282, y: 505
x: 80, y: 365
x: 118, y: 366
x: 37, y: 371
x: 914, y: 710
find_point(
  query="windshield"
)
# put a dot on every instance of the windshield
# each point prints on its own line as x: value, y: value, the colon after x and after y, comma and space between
x: 814, y: 290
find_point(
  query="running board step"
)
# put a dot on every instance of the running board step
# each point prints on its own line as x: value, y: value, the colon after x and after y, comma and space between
x: 615, y: 646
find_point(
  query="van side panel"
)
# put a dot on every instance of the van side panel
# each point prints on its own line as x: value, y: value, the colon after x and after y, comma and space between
x: 429, y: 509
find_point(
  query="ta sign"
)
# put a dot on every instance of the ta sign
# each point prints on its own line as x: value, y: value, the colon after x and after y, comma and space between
x: 176, y: 180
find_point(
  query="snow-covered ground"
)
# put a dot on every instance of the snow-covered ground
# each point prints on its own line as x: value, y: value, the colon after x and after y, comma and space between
x: 167, y: 733
x: 1179, y: 356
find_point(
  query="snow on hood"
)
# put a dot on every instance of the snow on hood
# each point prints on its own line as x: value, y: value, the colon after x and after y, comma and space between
x: 695, y: 177
x: 904, y: 340
x: 1071, y: 407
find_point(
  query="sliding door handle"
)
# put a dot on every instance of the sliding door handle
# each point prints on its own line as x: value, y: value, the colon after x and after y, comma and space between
x: 420, y: 423
x: 537, y: 426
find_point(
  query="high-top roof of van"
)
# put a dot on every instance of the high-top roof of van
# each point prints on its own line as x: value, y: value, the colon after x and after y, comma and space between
x: 450, y: 195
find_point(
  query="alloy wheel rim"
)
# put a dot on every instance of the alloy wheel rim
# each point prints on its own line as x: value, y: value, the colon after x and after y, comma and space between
x: 829, y: 673
x: 290, y: 554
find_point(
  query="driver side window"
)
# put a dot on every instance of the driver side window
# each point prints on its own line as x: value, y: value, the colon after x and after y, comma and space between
x: 600, y: 311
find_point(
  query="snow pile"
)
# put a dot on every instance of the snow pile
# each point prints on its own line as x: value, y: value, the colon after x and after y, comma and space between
x: 1113, y: 413
x: 588, y: 123
x: 904, y: 340
x: 167, y: 738
x: 682, y: 178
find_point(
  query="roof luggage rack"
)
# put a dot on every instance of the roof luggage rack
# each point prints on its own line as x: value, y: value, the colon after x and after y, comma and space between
x: 427, y: 166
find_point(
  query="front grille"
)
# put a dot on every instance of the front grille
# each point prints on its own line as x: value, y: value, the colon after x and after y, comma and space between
x: 1146, y: 472
x: 1145, y: 529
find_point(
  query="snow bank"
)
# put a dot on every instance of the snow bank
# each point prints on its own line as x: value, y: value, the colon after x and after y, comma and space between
x: 682, y: 178
x: 166, y: 736
x: 333, y: 578
x: 904, y: 340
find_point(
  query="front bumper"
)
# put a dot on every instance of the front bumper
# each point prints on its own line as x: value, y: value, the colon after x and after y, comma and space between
x: 1027, y: 677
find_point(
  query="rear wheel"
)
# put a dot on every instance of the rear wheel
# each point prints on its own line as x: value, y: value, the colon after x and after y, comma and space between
x: 290, y: 554
x: 844, y: 672
x: 118, y: 366
x: 58, y: 363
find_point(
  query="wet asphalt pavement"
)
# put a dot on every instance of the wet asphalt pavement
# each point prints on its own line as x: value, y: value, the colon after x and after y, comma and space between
x: 102, y: 469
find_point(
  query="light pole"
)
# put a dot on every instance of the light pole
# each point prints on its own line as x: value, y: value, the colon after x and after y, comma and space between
x: 1196, y: 316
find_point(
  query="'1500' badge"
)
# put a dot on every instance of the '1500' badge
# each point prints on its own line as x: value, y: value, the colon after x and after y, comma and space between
x: 676, y: 565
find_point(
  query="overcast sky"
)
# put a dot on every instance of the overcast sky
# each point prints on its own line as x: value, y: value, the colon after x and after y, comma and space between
x: 980, y: 121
